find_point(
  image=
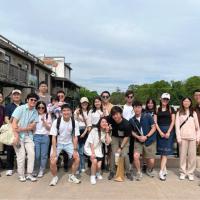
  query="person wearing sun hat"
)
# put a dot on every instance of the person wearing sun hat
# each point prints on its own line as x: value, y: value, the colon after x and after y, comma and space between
x: 165, y: 121
x: 81, y: 115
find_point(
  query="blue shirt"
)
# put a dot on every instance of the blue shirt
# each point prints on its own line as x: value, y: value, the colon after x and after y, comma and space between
x: 25, y: 116
x: 9, y: 109
x: 145, y: 124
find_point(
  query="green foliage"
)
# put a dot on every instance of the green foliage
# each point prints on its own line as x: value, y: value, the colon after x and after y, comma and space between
x: 87, y: 93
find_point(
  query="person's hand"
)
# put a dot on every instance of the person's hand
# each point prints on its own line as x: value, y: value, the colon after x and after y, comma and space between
x: 179, y: 141
x: 108, y: 129
x: 75, y: 154
x: 143, y: 138
x: 162, y: 135
x: 82, y: 135
x: 119, y: 150
x: 78, y: 111
x: 92, y: 156
x: 167, y: 135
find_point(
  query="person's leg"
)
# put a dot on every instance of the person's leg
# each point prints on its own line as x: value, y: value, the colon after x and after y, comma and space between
x: 99, y: 164
x: 82, y: 157
x: 93, y: 167
x: 137, y: 161
x: 114, y: 147
x: 183, y: 147
x: 37, y: 142
x: 191, y: 159
x: 125, y: 152
x: 163, y: 162
x: 10, y: 157
x: 44, y: 152
x: 149, y: 155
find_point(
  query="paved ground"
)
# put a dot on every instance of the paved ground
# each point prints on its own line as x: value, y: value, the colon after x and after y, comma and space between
x: 151, y: 189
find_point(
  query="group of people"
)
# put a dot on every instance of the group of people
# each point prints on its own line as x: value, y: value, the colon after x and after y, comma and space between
x: 46, y: 128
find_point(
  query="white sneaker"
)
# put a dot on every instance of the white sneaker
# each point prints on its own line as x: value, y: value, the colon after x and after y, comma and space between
x: 182, y: 177
x: 83, y: 170
x: 99, y: 176
x: 165, y: 172
x: 162, y: 176
x: 22, y: 179
x: 93, y: 180
x: 40, y: 174
x: 54, y: 181
x: 9, y: 173
x: 191, y: 177
x: 31, y: 178
x: 73, y: 179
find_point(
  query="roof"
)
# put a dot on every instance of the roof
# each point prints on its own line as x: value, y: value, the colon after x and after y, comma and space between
x: 65, y: 80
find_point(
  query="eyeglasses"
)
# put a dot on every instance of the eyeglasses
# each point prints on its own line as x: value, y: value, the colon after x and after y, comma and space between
x: 41, y: 107
x: 33, y: 100
x: 105, y: 97
x: 60, y: 95
x: 129, y: 97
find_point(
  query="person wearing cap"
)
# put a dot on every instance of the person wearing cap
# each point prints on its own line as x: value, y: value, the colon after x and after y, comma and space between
x: 165, y: 121
x: 81, y: 115
x: 9, y: 109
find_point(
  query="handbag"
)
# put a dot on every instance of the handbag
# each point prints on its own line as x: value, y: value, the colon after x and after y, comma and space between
x: 6, y: 134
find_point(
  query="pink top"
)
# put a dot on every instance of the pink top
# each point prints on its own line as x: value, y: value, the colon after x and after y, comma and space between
x: 190, y: 130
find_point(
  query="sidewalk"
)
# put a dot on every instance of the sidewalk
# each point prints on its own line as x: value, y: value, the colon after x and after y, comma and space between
x: 151, y: 189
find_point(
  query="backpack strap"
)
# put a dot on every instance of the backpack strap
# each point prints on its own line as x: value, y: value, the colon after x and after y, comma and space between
x: 73, y: 125
x: 47, y: 116
x: 58, y: 125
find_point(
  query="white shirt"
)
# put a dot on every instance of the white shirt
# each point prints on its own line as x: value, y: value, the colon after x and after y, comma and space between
x: 81, y: 121
x: 128, y: 112
x: 94, y: 117
x: 93, y: 138
x: 40, y: 128
x: 65, y: 131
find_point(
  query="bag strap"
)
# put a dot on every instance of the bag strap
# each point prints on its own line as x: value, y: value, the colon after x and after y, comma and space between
x: 58, y: 125
x: 73, y: 125
x: 136, y: 126
x: 184, y: 122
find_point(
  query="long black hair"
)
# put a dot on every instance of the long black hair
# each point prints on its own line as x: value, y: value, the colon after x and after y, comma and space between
x: 182, y: 110
x: 160, y: 107
x: 154, y: 105
x: 93, y: 105
x: 43, y: 103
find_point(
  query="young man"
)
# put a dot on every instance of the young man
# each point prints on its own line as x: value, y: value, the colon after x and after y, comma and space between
x: 121, y: 132
x: 128, y: 112
x: 9, y: 109
x: 43, y: 92
x: 64, y: 138
x: 144, y: 128
x: 24, y: 122
x: 107, y: 106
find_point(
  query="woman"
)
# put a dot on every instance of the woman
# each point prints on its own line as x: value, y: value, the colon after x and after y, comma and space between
x: 93, y: 147
x: 150, y: 106
x: 41, y: 139
x: 165, y: 120
x: 81, y: 115
x: 96, y: 112
x: 188, y: 135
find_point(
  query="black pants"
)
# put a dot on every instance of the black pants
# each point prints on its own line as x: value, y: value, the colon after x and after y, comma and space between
x: 10, y: 157
x: 131, y: 149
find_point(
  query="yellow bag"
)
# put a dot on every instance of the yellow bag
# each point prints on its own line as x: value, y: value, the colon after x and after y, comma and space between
x: 6, y: 134
x: 120, y: 170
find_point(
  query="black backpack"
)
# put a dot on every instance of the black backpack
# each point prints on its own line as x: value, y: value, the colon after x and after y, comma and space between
x: 58, y: 125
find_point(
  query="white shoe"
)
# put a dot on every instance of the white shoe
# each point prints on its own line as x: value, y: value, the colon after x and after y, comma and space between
x: 22, y: 179
x: 54, y: 181
x: 191, y: 177
x: 162, y: 176
x: 99, y: 176
x: 165, y: 172
x: 93, y: 180
x: 83, y: 170
x: 73, y: 179
x: 182, y: 177
x: 31, y: 178
x: 9, y: 173
x: 40, y: 174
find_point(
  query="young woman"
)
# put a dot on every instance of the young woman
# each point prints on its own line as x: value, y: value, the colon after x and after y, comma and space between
x: 188, y: 135
x: 165, y: 120
x: 93, y: 147
x: 96, y: 112
x: 41, y: 139
x: 150, y: 106
x: 81, y: 116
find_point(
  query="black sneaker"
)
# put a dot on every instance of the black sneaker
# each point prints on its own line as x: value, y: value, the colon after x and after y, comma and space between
x: 129, y: 176
x: 111, y: 176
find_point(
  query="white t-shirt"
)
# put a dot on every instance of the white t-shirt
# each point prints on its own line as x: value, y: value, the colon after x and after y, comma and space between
x: 81, y: 121
x: 94, y: 117
x: 40, y: 128
x: 128, y: 112
x: 93, y: 138
x: 65, y: 131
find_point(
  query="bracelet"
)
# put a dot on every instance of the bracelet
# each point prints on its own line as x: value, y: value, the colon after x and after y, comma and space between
x: 76, y: 149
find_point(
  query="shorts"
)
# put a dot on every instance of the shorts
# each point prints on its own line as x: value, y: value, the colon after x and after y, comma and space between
x: 68, y: 148
x: 98, y: 158
x: 146, y: 151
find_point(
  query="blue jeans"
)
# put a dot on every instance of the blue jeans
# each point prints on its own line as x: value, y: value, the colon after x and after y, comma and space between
x: 81, y: 154
x: 41, y: 151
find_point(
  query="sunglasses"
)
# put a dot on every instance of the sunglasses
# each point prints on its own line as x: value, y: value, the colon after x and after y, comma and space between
x: 165, y: 99
x: 60, y: 95
x: 41, y: 107
x: 105, y: 97
x: 33, y: 100
x: 129, y: 97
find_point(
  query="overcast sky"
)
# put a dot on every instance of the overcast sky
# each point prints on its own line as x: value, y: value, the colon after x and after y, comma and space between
x: 110, y: 43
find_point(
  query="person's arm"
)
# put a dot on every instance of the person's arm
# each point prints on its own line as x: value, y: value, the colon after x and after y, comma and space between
x: 157, y: 126
x: 123, y: 144
x: 177, y: 126
x: 197, y: 127
x: 15, y: 130
x: 7, y: 121
x: 171, y: 125
x: 48, y: 122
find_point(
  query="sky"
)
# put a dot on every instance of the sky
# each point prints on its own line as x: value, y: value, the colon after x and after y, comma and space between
x: 110, y: 43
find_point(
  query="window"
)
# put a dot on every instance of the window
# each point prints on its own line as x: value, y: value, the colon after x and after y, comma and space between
x: 19, y: 65
x: 7, y: 58
x: 37, y: 73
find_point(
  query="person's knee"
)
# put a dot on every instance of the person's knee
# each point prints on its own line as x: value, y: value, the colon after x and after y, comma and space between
x: 94, y: 161
x: 136, y: 156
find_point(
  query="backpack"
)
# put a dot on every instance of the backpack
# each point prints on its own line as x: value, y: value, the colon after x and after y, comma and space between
x: 58, y: 125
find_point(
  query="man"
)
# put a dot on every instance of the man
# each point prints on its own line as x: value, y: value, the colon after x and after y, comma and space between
x: 121, y: 132
x: 64, y: 138
x: 9, y: 109
x: 24, y: 122
x: 43, y: 92
x: 107, y: 106
x: 144, y: 128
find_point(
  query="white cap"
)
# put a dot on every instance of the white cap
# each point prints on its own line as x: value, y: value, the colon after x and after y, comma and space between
x: 165, y: 96
x: 16, y: 91
x: 84, y: 99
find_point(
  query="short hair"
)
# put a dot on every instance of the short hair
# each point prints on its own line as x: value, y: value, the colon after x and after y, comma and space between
x: 128, y: 92
x: 61, y: 91
x: 54, y: 98
x: 42, y: 82
x: 66, y: 106
x: 105, y: 92
x: 197, y: 90
x: 137, y: 103
x: 32, y: 95
x: 115, y: 110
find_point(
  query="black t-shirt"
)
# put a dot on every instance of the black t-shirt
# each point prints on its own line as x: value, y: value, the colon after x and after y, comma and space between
x: 164, y: 118
x: 121, y: 130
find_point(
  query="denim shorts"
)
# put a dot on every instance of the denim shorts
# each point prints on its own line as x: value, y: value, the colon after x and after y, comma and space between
x: 68, y: 148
